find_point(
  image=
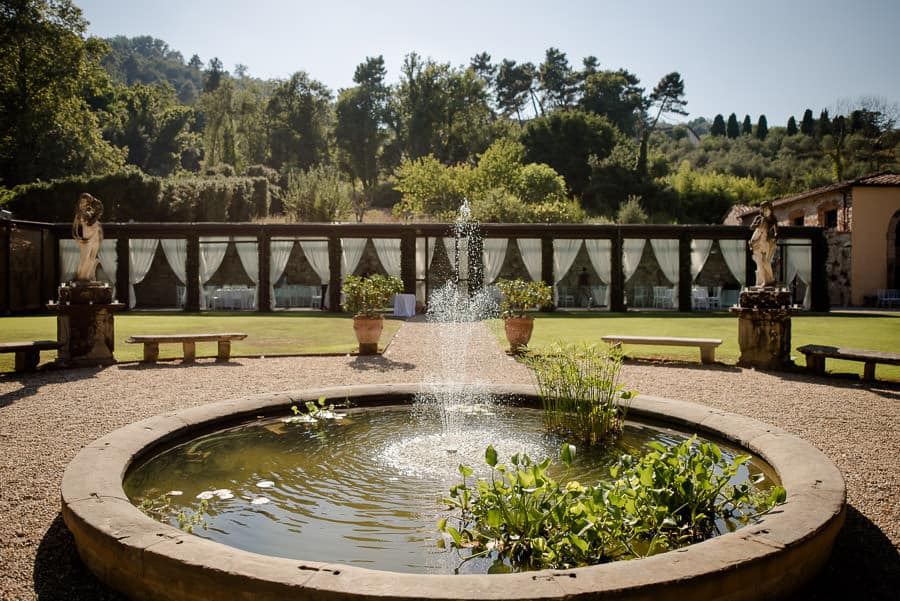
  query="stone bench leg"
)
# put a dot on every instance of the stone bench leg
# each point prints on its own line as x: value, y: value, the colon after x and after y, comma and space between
x: 27, y: 360
x: 707, y: 354
x: 190, y: 351
x: 224, y: 350
x: 815, y: 364
x: 151, y: 352
x: 869, y: 372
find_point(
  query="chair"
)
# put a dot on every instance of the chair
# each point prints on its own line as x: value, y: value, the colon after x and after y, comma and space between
x: 700, y: 298
x: 641, y: 296
x: 663, y: 297
x: 316, y: 298
x: 598, y: 295
x: 180, y: 296
x: 566, y: 298
x: 715, y: 299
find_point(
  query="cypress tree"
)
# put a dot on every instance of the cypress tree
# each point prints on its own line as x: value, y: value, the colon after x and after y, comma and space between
x: 718, y: 126
x: 792, y: 126
x: 762, y: 127
x: 823, y: 125
x: 732, y: 129
x: 808, y: 124
x: 746, y: 126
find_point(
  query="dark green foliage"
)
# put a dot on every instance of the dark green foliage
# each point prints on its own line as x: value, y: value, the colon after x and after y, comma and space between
x: 791, y: 127
x: 565, y: 140
x: 808, y: 124
x: 762, y: 128
x: 718, y: 126
x: 225, y: 199
x: 732, y: 129
x: 556, y: 81
x: 823, y: 124
x: 514, y: 86
x: 746, y: 126
x: 146, y: 60
x: 298, y: 114
x: 615, y: 95
x: 667, y: 98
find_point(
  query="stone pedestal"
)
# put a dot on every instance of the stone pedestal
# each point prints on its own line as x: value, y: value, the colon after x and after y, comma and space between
x: 85, y: 325
x: 764, y: 328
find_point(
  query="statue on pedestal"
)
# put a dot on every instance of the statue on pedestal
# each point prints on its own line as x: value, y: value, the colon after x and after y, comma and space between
x: 763, y: 243
x: 86, y: 229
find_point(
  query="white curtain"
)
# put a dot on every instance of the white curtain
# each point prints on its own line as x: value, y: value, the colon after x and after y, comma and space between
x: 600, y: 254
x: 316, y: 252
x: 109, y: 261
x: 279, y: 253
x: 735, y: 254
x: 798, y: 260
x: 175, y: 250
x: 351, y: 253
x: 388, y: 250
x: 140, y: 257
x: 212, y: 252
x: 666, y: 252
x: 248, y: 252
x: 699, y: 254
x: 530, y: 249
x: 432, y: 245
x: 493, y: 251
x: 632, y: 249
x: 68, y: 259
x: 564, y: 252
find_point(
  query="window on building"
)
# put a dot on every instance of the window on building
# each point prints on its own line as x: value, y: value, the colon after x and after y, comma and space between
x: 798, y: 220
x: 830, y: 219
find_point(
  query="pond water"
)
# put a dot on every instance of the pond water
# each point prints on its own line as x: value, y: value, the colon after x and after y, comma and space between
x: 364, y: 490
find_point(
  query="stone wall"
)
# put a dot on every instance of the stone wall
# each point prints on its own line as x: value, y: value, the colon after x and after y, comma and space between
x: 837, y: 268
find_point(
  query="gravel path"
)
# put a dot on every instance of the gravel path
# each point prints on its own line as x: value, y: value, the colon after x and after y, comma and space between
x: 46, y: 418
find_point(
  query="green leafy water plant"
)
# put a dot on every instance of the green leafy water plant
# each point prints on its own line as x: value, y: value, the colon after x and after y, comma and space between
x: 520, y: 295
x: 364, y: 296
x: 160, y: 508
x: 315, y: 412
x: 524, y: 519
x: 580, y: 391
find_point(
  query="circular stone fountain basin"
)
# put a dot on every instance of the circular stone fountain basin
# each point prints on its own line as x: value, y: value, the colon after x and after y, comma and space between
x: 150, y: 560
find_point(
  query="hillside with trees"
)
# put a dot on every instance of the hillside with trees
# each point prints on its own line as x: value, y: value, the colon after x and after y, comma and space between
x: 555, y: 141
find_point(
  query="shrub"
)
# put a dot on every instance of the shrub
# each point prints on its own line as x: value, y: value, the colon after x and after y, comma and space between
x: 364, y: 296
x: 319, y: 194
x: 519, y: 296
x: 580, y: 391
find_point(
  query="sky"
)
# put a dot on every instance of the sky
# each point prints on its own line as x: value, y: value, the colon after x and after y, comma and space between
x: 771, y: 57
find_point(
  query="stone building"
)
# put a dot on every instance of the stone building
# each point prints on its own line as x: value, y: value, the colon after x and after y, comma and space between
x: 861, y: 218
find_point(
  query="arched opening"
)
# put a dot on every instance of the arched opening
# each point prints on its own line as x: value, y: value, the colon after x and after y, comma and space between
x: 893, y: 250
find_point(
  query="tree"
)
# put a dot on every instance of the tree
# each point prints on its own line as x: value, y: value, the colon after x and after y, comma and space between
x: 361, y: 114
x: 791, y: 126
x: 212, y: 78
x: 807, y: 124
x: 298, y: 114
x: 615, y: 95
x: 762, y: 128
x: 318, y: 194
x: 718, y: 126
x: 565, y: 141
x: 823, y: 124
x: 667, y: 97
x: 53, y: 94
x: 746, y: 126
x: 732, y: 129
x: 217, y: 110
x: 514, y: 86
x: 555, y: 81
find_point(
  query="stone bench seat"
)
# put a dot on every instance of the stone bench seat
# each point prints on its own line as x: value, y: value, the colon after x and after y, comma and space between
x: 707, y: 346
x: 816, y: 355
x: 188, y: 341
x: 28, y: 353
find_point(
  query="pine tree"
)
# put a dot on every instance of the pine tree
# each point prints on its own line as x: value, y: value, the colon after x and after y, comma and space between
x: 823, y: 125
x: 792, y: 126
x: 746, y: 126
x: 808, y: 124
x: 732, y: 129
x: 718, y: 126
x: 762, y: 127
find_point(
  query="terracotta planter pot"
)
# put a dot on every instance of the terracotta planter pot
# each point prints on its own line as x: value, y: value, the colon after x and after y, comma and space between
x: 368, y: 331
x: 518, y: 331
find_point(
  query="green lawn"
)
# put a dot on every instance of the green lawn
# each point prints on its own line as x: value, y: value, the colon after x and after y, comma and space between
x: 863, y: 331
x: 295, y: 333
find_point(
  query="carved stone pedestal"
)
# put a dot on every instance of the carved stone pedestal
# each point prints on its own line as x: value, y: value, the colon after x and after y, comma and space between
x: 85, y: 324
x: 764, y: 328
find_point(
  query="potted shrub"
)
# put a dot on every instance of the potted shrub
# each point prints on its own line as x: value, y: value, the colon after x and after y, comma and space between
x: 518, y: 297
x: 364, y: 296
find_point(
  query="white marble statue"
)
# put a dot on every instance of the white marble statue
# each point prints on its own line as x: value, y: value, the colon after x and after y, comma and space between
x: 763, y: 243
x: 86, y: 229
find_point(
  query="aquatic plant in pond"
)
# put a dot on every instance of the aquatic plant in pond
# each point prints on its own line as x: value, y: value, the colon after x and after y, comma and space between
x: 522, y: 518
x: 580, y: 391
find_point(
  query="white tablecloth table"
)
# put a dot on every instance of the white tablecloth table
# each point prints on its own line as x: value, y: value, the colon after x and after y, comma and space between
x: 404, y: 305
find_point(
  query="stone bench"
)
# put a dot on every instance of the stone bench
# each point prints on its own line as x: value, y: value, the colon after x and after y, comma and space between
x: 188, y: 341
x: 816, y: 355
x: 707, y: 346
x: 28, y: 354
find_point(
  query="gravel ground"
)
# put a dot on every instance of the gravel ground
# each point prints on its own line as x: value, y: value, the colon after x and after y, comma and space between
x: 46, y: 418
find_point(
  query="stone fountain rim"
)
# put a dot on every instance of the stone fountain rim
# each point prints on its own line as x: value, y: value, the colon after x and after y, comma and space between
x: 149, y: 560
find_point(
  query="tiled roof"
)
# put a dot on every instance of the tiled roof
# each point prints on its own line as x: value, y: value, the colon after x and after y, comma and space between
x: 876, y: 179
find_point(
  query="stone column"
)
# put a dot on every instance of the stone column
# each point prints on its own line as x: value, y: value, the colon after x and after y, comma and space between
x: 764, y: 328
x: 85, y: 324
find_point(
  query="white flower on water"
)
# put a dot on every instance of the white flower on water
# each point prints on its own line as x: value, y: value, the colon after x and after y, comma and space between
x: 259, y: 501
x: 206, y: 495
x: 265, y: 484
x: 174, y: 493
